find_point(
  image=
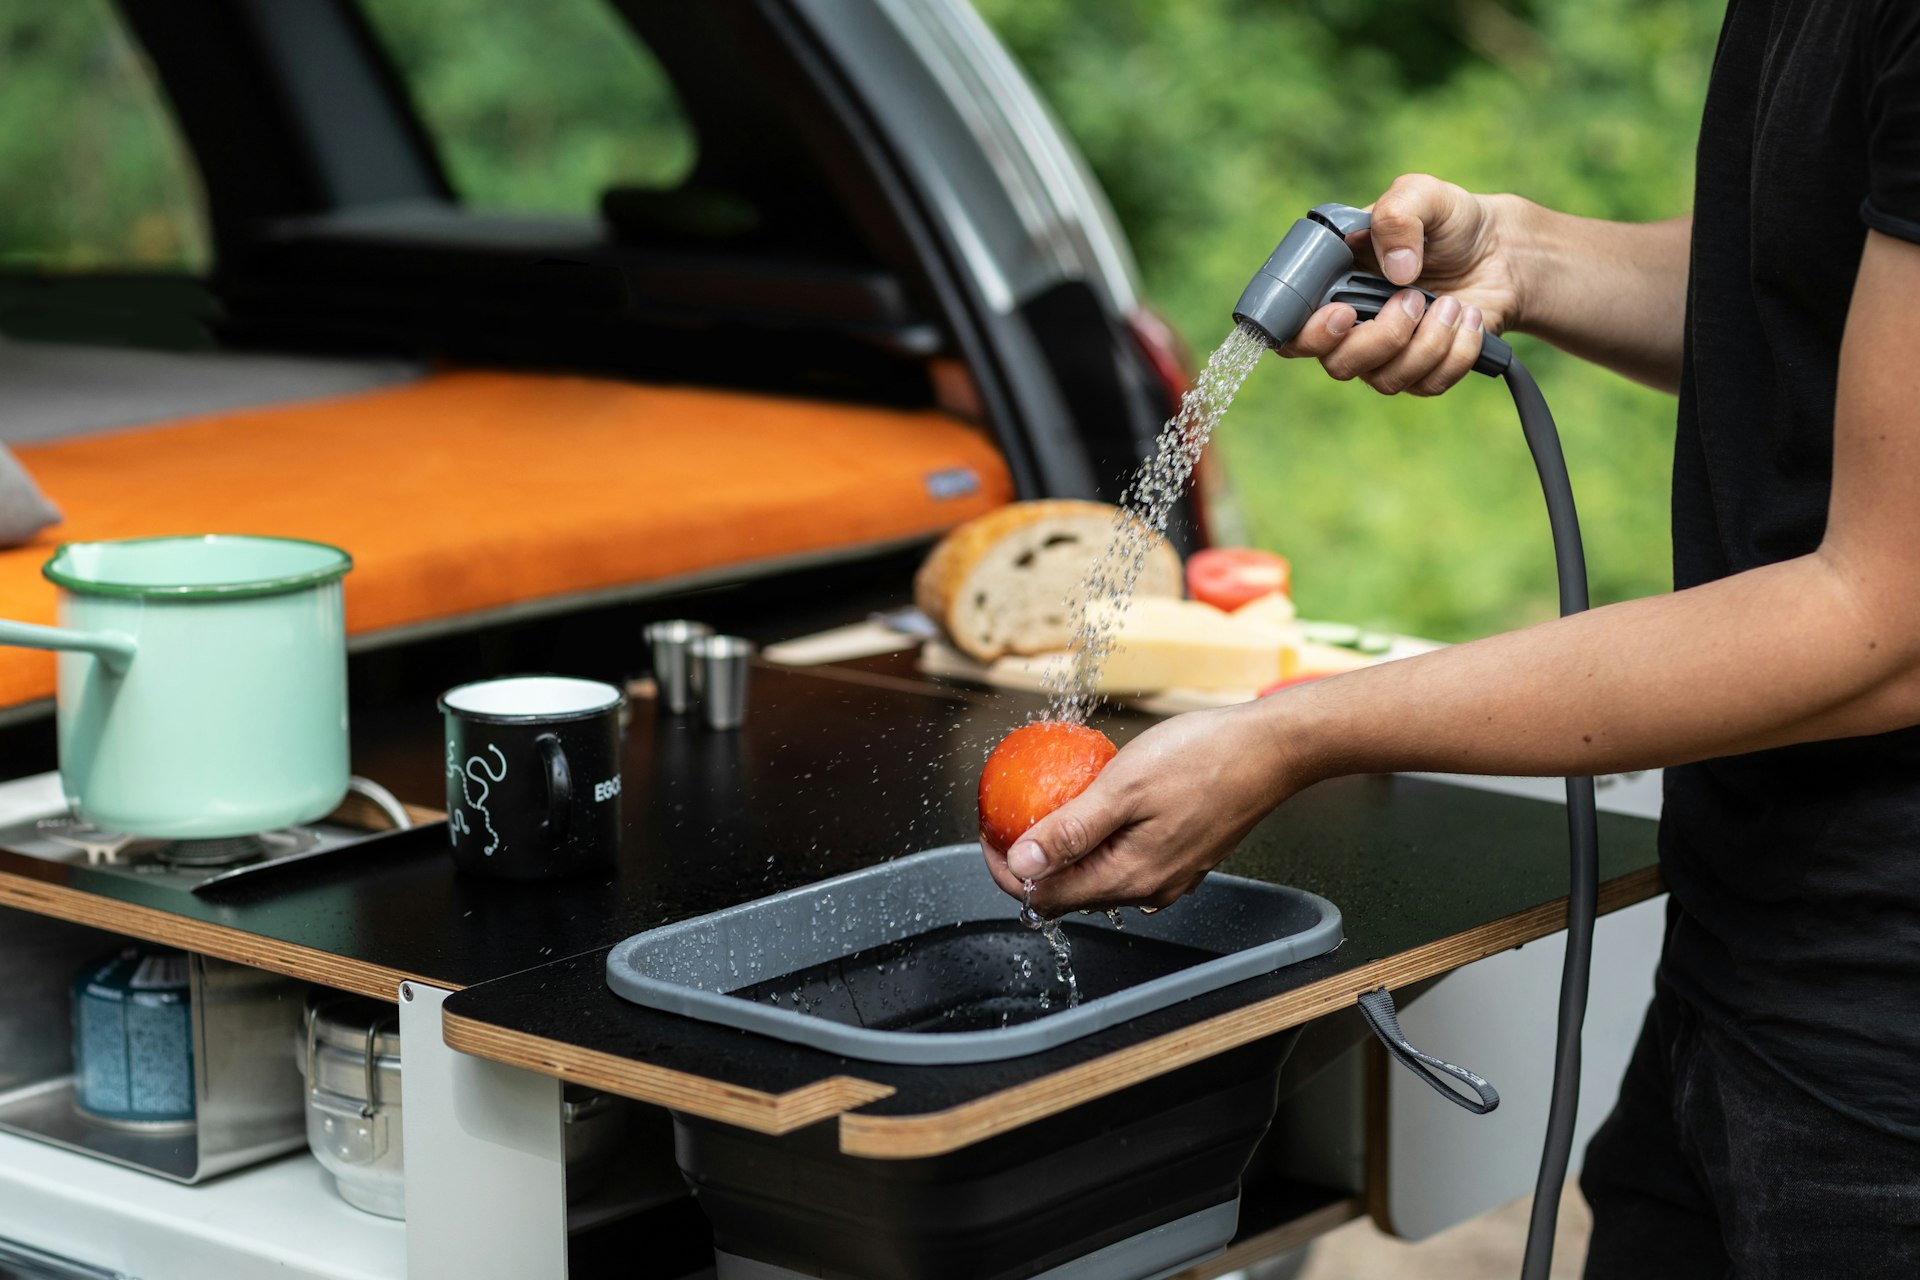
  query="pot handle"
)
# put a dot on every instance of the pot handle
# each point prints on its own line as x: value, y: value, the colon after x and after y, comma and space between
x: 112, y: 648
x: 559, y: 785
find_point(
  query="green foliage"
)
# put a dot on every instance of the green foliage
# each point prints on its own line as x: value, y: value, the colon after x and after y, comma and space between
x: 92, y: 173
x: 536, y: 106
x: 1213, y: 124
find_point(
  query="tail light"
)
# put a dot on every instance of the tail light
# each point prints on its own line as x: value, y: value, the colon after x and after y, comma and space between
x: 1166, y: 354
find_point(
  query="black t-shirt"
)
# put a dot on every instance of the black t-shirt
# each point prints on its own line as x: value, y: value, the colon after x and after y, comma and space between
x: 1795, y: 873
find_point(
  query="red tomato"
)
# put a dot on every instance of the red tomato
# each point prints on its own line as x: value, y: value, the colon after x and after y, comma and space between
x: 1228, y: 577
x: 1036, y: 769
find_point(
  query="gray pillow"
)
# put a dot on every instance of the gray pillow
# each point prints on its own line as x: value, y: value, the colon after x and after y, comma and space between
x: 24, y: 510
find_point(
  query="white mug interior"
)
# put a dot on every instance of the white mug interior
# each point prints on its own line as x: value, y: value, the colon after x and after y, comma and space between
x: 532, y: 697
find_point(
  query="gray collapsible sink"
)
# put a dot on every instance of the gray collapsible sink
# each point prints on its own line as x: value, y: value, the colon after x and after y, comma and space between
x: 923, y: 960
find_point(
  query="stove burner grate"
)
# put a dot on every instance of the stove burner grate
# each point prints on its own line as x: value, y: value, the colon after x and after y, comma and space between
x: 230, y: 851
x: 106, y: 848
x: 35, y: 821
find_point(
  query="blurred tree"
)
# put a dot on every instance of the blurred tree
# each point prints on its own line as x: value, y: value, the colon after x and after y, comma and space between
x: 1214, y: 123
x: 92, y: 172
x: 1211, y: 123
x: 536, y: 106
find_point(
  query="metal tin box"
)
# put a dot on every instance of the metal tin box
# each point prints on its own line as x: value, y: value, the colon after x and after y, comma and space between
x: 247, y: 1097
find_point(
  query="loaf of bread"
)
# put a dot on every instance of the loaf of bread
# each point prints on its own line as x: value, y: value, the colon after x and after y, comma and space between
x: 1000, y: 583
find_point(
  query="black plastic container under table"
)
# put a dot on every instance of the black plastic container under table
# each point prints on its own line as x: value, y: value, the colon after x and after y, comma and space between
x: 923, y: 960
x: 1139, y: 1183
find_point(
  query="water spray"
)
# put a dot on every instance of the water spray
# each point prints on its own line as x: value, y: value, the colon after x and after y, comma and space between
x: 1312, y: 267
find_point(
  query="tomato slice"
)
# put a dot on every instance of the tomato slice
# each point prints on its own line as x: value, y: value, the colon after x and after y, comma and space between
x: 1228, y: 577
x: 1036, y: 769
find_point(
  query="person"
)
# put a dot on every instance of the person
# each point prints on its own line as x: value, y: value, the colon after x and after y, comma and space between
x: 1769, y: 1122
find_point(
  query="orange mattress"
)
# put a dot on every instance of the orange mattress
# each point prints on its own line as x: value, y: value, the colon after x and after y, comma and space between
x: 470, y: 492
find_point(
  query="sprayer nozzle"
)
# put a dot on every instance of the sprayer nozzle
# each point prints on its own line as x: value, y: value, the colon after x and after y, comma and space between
x: 1298, y: 273
x: 1269, y: 306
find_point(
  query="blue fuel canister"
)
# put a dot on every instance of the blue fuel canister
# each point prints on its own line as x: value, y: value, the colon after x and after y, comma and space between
x: 133, y: 1040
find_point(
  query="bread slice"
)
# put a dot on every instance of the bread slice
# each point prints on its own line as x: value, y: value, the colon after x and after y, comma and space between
x: 1000, y: 583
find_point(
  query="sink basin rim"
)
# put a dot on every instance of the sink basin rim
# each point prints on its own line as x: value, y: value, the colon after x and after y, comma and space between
x: 955, y: 871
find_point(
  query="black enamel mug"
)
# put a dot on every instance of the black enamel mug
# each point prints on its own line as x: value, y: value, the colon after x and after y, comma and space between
x: 533, y: 776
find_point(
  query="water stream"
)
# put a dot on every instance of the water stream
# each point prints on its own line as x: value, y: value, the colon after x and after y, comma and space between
x: 1099, y: 603
x: 1097, y: 606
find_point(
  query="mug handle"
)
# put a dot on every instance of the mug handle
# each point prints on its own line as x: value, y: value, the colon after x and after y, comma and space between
x: 559, y: 784
x: 115, y: 650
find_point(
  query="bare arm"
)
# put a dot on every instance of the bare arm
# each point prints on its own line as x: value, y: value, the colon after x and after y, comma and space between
x: 1826, y: 645
x: 1614, y: 293
x: 1610, y: 292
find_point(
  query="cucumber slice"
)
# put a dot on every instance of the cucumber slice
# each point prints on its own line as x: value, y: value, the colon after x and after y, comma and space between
x: 1343, y: 634
x: 1373, y: 642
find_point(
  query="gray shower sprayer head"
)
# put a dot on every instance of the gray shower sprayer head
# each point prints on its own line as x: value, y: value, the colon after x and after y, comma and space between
x: 1299, y: 274
x: 1312, y: 266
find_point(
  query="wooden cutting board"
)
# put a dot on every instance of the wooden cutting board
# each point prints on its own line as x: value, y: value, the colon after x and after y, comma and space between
x: 1028, y: 673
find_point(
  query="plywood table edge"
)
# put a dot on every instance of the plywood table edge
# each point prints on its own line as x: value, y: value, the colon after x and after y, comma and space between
x: 150, y: 924
x: 755, y: 1109
x: 939, y: 1132
x: 936, y: 1133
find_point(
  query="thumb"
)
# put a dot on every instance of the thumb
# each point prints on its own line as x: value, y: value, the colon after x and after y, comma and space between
x: 1066, y: 835
x: 1400, y: 221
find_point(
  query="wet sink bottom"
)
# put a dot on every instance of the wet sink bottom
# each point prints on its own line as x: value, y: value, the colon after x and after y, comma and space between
x: 976, y: 976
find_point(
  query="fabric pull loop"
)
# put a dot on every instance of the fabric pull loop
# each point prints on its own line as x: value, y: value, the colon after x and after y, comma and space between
x: 1377, y: 1008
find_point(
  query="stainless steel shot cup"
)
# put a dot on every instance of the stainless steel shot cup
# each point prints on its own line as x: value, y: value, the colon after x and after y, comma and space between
x: 720, y: 668
x: 672, y: 665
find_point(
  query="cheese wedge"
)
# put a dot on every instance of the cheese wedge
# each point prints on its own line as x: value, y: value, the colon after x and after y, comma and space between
x: 1328, y: 660
x: 1275, y: 613
x: 1182, y: 644
x: 1275, y: 609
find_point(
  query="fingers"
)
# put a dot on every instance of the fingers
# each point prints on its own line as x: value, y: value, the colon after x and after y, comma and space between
x: 1322, y: 332
x: 1358, y: 350
x: 1410, y: 347
x: 1101, y: 881
x: 1066, y: 835
x: 997, y: 868
x: 1441, y: 352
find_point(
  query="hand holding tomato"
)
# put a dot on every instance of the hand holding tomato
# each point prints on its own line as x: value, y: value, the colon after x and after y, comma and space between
x: 1147, y: 825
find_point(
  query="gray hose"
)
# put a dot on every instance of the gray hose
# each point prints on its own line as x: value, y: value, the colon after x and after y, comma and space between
x: 1583, y: 837
x: 1311, y: 267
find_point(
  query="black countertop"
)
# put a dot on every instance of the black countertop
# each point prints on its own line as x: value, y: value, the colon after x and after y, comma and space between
x: 833, y: 771
x: 825, y: 777
x: 833, y: 774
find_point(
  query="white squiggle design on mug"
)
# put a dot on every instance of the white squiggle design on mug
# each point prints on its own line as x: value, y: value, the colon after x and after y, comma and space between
x: 484, y: 778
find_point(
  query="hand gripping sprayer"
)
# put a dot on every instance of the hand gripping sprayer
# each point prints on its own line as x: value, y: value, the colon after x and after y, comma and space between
x: 1313, y: 266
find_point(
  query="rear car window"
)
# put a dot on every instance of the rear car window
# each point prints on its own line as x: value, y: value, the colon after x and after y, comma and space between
x: 95, y: 173
x: 538, y: 107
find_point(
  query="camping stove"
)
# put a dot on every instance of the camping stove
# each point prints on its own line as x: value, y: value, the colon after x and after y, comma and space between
x: 35, y: 821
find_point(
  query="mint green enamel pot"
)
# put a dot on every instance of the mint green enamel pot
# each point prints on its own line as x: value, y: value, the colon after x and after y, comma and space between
x: 202, y: 682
